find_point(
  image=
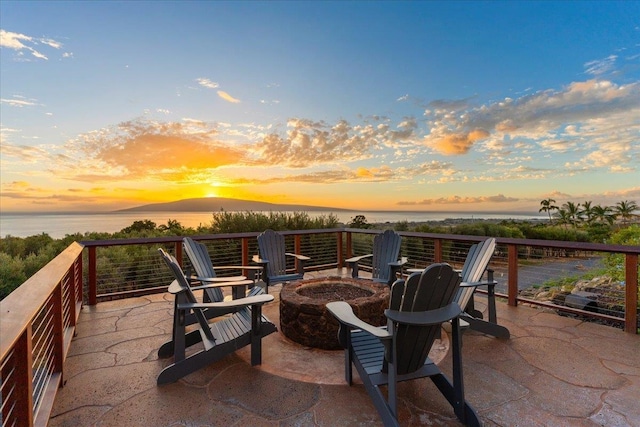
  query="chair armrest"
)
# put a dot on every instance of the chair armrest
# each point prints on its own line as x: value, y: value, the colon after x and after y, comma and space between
x: 298, y: 256
x: 236, y: 303
x: 344, y: 314
x: 238, y: 267
x: 357, y: 258
x: 425, y: 318
x: 219, y: 283
x: 258, y: 260
x: 218, y: 279
x: 402, y: 261
x: 476, y: 284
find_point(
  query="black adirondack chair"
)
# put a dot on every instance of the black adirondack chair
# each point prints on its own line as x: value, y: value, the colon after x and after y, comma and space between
x: 475, y: 266
x: 242, y: 324
x: 399, y: 351
x: 206, y: 273
x: 273, y: 259
x: 385, y: 263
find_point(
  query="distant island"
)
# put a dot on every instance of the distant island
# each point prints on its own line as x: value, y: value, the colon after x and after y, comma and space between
x: 217, y: 204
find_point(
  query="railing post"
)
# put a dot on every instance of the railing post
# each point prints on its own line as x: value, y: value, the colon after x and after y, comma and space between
x: 245, y: 251
x: 339, y: 244
x: 178, y: 251
x: 349, y: 253
x: 244, y: 260
x: 512, y: 274
x: 24, y: 377
x: 631, y: 294
x: 437, y: 250
x: 58, y: 329
x: 93, y: 276
x: 75, y: 277
x: 297, y: 247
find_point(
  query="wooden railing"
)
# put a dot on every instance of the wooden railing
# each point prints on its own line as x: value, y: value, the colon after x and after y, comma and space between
x: 37, y: 323
x: 37, y: 320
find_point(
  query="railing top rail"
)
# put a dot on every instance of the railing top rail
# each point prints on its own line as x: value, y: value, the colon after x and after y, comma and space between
x: 173, y: 239
x: 19, y: 307
x: 559, y: 244
x: 584, y: 246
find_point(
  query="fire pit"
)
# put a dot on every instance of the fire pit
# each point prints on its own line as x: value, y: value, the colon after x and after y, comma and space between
x: 305, y: 319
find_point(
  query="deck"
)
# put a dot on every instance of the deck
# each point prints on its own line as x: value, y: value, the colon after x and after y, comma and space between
x: 554, y: 371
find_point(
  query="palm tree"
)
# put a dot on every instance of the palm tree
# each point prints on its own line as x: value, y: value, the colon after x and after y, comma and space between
x: 562, y: 216
x: 547, y: 206
x: 573, y: 212
x: 587, y: 212
x: 603, y: 214
x: 625, y: 210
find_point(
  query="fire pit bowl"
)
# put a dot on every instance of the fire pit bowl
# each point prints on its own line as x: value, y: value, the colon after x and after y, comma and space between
x: 305, y: 319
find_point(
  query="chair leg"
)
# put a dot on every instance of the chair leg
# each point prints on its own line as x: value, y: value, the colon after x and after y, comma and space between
x: 256, y: 335
x: 458, y: 381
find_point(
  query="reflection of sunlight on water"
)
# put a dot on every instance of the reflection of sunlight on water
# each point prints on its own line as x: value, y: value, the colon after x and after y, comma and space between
x: 59, y: 225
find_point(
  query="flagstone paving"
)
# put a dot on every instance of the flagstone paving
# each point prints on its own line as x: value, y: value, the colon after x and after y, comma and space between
x: 553, y: 371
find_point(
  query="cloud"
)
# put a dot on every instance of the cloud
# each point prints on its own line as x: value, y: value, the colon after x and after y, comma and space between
x: 337, y: 176
x: 20, y: 102
x: 595, y: 115
x: 601, y: 66
x: 207, y: 83
x: 224, y: 95
x: 24, y: 153
x: 21, y: 42
x: 456, y: 143
x: 307, y: 142
x: 148, y: 150
x: 460, y: 200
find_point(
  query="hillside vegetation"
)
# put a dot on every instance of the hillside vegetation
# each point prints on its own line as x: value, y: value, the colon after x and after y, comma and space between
x: 20, y: 258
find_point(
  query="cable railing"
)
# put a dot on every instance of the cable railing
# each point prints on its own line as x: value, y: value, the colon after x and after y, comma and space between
x: 37, y: 320
x: 37, y: 323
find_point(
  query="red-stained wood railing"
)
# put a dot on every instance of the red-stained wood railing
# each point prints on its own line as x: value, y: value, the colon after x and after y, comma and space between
x: 37, y: 323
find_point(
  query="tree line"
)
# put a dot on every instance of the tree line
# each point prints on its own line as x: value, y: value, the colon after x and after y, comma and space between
x: 20, y: 258
x: 586, y: 213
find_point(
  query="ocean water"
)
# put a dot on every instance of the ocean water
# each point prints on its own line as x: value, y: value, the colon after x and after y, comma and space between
x: 59, y: 225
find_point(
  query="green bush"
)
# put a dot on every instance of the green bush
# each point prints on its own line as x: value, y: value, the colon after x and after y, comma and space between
x: 615, y: 263
x: 488, y: 229
x: 242, y: 222
x: 11, y: 274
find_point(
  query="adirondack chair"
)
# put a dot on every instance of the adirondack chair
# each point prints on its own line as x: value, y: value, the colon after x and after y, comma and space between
x: 473, y: 270
x: 206, y: 272
x: 273, y: 260
x: 399, y: 351
x: 241, y: 324
x: 385, y: 263
x: 475, y: 265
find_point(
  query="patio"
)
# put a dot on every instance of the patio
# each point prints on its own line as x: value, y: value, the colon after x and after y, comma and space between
x: 554, y: 371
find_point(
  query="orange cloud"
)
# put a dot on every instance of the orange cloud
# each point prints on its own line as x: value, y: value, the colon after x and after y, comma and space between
x: 224, y: 95
x: 457, y: 143
x: 159, y: 152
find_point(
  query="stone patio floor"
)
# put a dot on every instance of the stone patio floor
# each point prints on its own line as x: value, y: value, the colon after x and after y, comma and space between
x: 553, y: 371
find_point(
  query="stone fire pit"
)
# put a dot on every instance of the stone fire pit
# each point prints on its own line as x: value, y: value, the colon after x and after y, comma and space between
x: 305, y: 319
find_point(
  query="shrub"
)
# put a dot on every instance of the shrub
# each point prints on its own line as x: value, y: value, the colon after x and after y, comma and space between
x: 11, y: 274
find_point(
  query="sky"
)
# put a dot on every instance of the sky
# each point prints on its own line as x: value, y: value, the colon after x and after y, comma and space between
x: 435, y: 106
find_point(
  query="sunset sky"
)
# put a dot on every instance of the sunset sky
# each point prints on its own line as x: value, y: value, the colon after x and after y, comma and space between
x: 456, y: 106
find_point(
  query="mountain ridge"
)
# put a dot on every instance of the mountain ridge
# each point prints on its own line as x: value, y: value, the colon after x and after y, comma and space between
x: 215, y: 204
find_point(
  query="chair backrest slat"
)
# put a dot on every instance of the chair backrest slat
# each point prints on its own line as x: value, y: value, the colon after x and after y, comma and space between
x: 386, y: 249
x: 474, y: 267
x: 185, y: 289
x: 272, y: 248
x: 433, y: 288
x: 201, y: 262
